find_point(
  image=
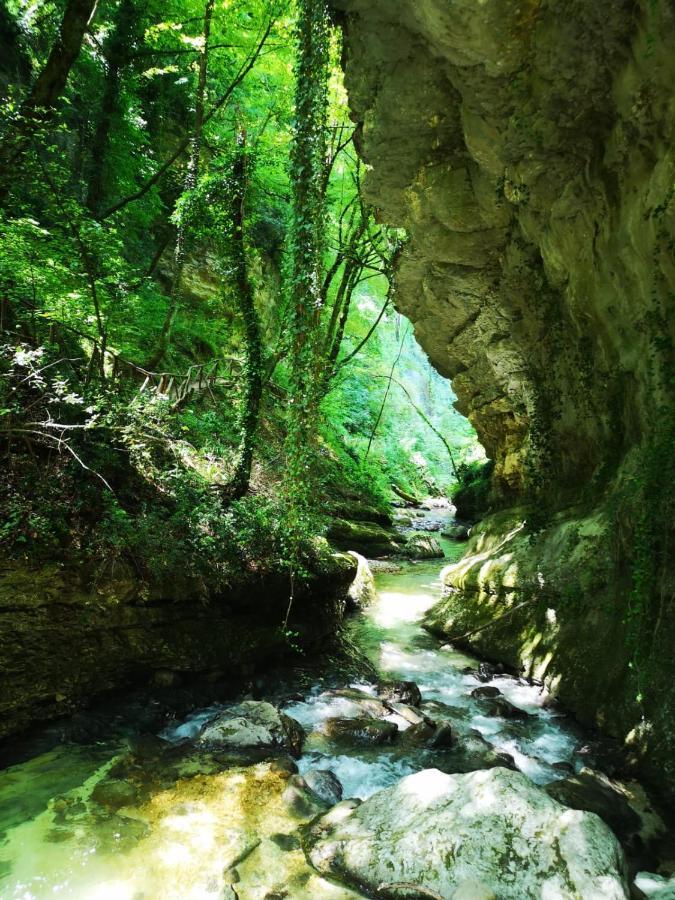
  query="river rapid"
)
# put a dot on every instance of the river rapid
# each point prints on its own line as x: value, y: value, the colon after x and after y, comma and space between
x: 55, y: 841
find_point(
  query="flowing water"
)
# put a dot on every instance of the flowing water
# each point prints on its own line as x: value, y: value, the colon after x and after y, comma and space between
x: 55, y: 843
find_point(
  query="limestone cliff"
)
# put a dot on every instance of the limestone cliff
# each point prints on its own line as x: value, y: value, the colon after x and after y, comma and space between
x: 527, y: 148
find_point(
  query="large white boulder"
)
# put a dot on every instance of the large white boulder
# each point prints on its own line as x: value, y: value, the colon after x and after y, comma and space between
x: 495, y: 828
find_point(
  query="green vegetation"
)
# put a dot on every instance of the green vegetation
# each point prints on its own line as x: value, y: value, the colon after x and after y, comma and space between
x: 472, y: 494
x: 199, y: 344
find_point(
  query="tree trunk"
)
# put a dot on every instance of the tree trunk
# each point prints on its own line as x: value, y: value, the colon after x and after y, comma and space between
x: 38, y: 106
x: 253, y: 364
x: 190, y: 184
x: 118, y: 50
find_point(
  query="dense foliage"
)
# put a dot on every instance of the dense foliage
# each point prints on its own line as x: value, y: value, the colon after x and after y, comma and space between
x: 196, y: 306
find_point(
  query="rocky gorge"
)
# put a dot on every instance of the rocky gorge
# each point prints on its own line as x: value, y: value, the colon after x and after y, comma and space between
x: 527, y: 149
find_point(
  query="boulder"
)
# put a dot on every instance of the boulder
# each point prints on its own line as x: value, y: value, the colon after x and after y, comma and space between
x: 496, y: 828
x: 361, y: 591
x: 456, y: 533
x: 363, y: 537
x: 400, y: 691
x: 485, y: 692
x: 422, y: 546
x: 362, y: 702
x: 253, y: 724
x: 360, y: 731
x: 325, y: 784
x: 500, y: 706
x: 594, y: 792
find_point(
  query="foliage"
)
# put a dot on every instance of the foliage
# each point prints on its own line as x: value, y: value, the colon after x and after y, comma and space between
x: 472, y: 494
x: 285, y: 301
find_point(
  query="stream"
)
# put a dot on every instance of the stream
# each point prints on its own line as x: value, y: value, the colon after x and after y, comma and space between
x: 55, y: 842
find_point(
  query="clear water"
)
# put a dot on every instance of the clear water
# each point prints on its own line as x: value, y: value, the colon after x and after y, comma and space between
x: 45, y: 853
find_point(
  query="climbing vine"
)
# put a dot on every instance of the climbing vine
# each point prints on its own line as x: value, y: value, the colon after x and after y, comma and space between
x: 308, y: 160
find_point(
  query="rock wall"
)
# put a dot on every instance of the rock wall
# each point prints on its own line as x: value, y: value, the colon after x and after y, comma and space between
x: 64, y: 638
x: 527, y: 148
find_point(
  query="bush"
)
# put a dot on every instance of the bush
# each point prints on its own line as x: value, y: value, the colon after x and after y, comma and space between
x: 472, y: 495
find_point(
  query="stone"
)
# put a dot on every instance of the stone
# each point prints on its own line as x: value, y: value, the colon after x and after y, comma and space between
x: 401, y: 691
x: 438, y: 831
x: 301, y: 801
x: 443, y: 737
x: 366, y: 538
x: 473, y: 890
x: 500, y: 706
x: 594, y: 792
x: 360, y: 731
x: 422, y: 546
x: 361, y: 591
x: 253, y: 724
x: 325, y: 784
x: 456, y: 533
x: 114, y: 793
x: 362, y: 702
x: 411, y: 716
x: 486, y: 692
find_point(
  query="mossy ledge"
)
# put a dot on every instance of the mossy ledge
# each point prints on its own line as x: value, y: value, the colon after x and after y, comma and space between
x: 64, y: 638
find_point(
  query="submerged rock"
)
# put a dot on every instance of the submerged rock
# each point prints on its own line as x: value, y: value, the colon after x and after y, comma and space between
x: 253, y: 724
x: 439, y: 831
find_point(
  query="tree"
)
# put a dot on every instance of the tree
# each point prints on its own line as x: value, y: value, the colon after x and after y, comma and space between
x: 38, y: 107
x: 191, y: 176
x: 253, y: 362
x: 308, y: 160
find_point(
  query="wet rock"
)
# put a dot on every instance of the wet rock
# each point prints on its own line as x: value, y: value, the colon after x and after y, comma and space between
x: 500, y: 706
x: 487, y: 671
x: 401, y: 691
x: 113, y: 794
x: 361, y: 592
x: 360, y: 731
x: 422, y: 546
x: 325, y: 784
x: 435, y: 709
x: 473, y: 890
x: 655, y: 887
x: 300, y: 801
x: 456, y: 533
x: 443, y: 737
x: 363, y: 537
x: 594, y: 792
x: 253, y: 724
x: 362, y: 701
x: 421, y: 735
x: 563, y: 766
x: 472, y: 752
x: 411, y: 716
x: 286, y: 842
x: 431, y: 829
x: 488, y: 691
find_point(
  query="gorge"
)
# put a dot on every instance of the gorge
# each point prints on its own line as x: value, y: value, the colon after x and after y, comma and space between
x: 337, y: 397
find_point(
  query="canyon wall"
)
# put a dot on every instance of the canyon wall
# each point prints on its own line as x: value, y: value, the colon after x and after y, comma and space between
x: 527, y: 149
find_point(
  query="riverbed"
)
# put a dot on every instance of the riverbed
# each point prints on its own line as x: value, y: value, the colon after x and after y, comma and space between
x: 57, y: 842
